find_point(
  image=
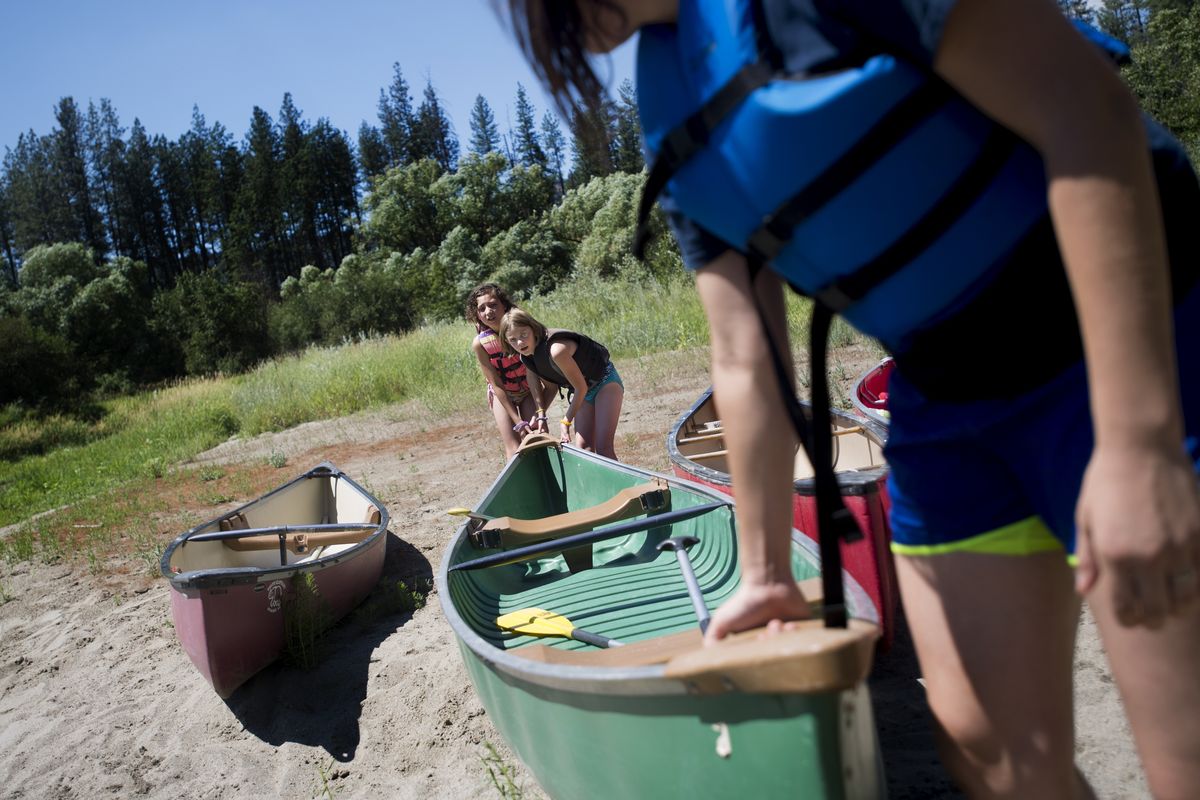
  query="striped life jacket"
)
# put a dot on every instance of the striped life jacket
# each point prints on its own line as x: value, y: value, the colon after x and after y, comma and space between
x: 512, y: 371
x: 876, y: 174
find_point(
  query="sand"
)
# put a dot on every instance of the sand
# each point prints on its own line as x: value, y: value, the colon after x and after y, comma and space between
x: 98, y: 699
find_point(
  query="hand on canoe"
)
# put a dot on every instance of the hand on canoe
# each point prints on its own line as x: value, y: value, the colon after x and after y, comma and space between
x: 770, y: 605
x: 1138, y: 533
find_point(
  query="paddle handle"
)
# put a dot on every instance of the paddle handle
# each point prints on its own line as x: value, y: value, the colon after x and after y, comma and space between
x: 594, y: 638
x: 693, y: 587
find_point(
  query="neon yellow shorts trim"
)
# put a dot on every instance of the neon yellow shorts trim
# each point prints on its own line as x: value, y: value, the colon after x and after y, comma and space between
x: 1022, y: 538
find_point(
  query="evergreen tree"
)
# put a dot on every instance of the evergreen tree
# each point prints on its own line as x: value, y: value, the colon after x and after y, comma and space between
x: 1076, y: 9
x: 484, y: 136
x: 529, y: 150
x: 257, y: 215
x: 397, y: 120
x: 555, y: 148
x: 142, y: 207
x: 433, y: 135
x: 202, y: 178
x: 591, y: 135
x: 37, y: 200
x: 106, y: 146
x: 372, y: 152
x: 295, y: 191
x: 7, y: 248
x: 1124, y: 19
x: 627, y: 145
x: 69, y: 163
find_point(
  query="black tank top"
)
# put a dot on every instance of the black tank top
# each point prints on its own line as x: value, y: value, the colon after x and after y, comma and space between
x: 590, y: 356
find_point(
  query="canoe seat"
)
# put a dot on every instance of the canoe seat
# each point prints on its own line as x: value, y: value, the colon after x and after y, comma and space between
x: 645, y: 498
x: 808, y: 659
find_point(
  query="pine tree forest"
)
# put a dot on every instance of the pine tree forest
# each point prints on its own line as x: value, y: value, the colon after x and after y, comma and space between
x: 129, y: 258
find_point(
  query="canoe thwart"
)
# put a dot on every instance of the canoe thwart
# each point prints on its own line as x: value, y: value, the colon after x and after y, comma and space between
x: 553, y: 546
x: 809, y: 658
x: 646, y: 498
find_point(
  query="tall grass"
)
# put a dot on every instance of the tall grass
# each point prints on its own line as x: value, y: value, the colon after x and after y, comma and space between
x: 142, y: 436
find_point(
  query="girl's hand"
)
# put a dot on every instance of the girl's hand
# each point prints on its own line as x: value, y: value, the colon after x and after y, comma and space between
x: 755, y: 605
x: 1138, y: 532
x: 522, y: 428
x: 538, y: 424
x: 565, y: 437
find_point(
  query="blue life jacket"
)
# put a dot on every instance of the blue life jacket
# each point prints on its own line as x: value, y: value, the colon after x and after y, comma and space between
x: 874, y: 175
x: 873, y: 187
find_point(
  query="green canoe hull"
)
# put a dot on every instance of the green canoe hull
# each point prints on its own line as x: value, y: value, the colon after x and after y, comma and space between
x: 630, y: 732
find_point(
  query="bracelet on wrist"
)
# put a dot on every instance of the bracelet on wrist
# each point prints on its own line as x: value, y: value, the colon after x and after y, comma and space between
x: 566, y: 422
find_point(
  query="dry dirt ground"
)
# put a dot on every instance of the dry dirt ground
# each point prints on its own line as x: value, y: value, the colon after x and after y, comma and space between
x: 98, y: 699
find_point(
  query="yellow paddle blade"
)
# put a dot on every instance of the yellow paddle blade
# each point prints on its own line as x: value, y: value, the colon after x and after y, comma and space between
x: 459, y: 512
x: 536, y: 622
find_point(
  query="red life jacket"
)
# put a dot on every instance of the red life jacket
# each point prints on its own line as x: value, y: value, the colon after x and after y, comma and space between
x: 512, y: 371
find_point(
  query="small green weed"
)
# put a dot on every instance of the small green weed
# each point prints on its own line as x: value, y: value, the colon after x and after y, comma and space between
x: 19, y: 545
x: 325, y: 775
x: 4, y: 595
x: 502, y: 773
x: 211, y: 473
x: 305, y: 619
x: 277, y: 459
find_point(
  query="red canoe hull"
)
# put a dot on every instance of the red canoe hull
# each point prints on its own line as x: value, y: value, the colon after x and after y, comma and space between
x: 864, y: 492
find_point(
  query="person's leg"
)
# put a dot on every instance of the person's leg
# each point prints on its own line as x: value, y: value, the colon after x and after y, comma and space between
x: 606, y: 413
x: 995, y: 637
x: 505, y: 425
x: 1158, y: 674
x: 585, y: 425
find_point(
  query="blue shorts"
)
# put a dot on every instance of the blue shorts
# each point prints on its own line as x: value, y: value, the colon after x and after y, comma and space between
x: 610, y: 376
x: 1003, y: 476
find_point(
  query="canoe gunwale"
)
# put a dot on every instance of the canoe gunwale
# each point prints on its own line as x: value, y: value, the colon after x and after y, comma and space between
x: 866, y: 411
x: 623, y: 681
x: 850, y: 482
x: 220, y: 577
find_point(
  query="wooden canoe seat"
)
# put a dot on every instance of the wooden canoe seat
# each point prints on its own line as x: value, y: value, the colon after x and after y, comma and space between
x: 808, y: 659
x: 645, y: 498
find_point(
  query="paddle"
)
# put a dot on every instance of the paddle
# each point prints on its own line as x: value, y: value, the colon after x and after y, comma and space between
x: 539, y: 622
x: 679, y: 545
x: 466, y: 512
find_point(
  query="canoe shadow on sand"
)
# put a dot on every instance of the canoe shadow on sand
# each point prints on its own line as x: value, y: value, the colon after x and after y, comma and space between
x: 321, y: 707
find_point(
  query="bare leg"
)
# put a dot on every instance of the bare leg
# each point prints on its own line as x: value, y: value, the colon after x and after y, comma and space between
x: 505, y: 425
x: 598, y: 423
x: 1158, y: 673
x: 995, y: 636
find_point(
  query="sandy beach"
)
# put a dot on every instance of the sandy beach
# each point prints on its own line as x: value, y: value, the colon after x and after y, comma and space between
x: 97, y: 698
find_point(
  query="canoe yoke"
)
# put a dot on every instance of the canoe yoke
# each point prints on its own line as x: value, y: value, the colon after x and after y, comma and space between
x: 807, y: 659
x: 310, y: 545
x: 646, y: 498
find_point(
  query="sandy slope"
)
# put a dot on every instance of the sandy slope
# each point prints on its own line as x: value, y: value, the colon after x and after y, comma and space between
x: 98, y: 699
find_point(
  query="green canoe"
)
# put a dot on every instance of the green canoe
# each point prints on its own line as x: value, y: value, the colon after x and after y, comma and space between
x: 782, y: 716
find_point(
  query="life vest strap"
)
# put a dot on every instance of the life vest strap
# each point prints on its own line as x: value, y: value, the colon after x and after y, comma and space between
x: 690, y: 137
x: 965, y: 190
x: 777, y: 229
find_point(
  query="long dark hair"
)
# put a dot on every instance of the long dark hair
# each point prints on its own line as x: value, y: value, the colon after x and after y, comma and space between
x: 552, y: 35
x: 472, y: 307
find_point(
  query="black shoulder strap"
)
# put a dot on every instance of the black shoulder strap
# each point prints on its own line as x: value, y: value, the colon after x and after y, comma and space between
x: 835, y: 523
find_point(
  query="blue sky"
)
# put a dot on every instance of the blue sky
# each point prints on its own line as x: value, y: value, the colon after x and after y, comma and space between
x: 156, y: 58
